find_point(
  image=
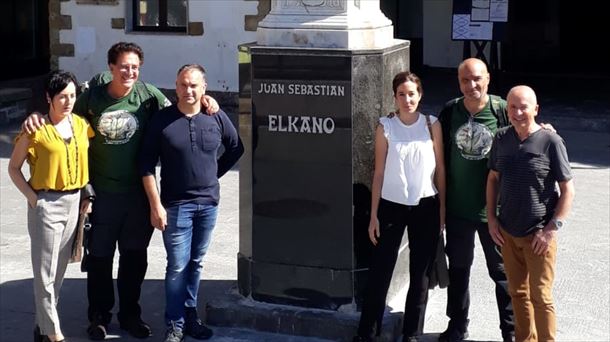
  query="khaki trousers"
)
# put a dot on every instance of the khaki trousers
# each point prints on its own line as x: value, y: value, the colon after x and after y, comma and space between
x: 530, y: 282
x: 51, y: 226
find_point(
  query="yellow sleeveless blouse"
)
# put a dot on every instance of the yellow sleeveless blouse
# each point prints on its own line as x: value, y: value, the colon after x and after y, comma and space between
x: 51, y: 168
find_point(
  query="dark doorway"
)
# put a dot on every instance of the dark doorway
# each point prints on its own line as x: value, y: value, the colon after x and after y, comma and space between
x: 24, y: 30
x: 407, y: 17
x: 556, y: 37
x: 583, y: 37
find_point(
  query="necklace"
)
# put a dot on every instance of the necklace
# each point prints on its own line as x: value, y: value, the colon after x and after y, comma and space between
x: 71, y: 179
x: 66, y: 143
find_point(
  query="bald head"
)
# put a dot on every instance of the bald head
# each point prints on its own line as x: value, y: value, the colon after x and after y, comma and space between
x: 522, y: 109
x: 522, y: 93
x: 474, y: 81
x: 473, y: 64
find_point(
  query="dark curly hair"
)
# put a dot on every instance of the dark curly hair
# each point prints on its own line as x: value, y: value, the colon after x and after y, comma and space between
x: 122, y: 47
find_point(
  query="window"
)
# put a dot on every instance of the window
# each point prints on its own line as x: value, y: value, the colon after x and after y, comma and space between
x: 159, y: 15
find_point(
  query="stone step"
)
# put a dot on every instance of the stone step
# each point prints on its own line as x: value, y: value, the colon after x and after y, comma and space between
x: 223, y: 334
x: 235, y: 311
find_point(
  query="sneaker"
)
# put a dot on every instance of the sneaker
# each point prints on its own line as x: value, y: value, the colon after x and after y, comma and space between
x: 173, y: 334
x: 193, y: 326
x: 136, y: 327
x: 96, y: 331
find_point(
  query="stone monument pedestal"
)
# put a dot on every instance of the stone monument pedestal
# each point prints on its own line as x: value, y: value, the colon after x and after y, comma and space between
x: 305, y: 188
x: 319, y: 78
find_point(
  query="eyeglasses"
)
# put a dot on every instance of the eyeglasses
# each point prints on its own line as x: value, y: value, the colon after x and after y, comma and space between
x: 129, y: 68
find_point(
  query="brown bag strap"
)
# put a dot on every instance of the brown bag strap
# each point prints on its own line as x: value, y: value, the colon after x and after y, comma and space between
x: 429, y: 124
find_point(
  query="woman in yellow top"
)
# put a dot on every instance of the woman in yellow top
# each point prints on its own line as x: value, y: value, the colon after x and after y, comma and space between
x: 57, y: 155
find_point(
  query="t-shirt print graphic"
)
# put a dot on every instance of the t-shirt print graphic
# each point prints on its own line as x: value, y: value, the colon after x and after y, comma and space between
x: 473, y: 140
x: 117, y: 127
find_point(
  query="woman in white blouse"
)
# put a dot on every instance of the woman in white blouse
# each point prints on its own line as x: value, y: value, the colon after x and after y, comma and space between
x: 408, y: 190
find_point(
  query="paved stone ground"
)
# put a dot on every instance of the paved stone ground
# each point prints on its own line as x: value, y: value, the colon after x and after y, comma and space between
x: 582, y: 286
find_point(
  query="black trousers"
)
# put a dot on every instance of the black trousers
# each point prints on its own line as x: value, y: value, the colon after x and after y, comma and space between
x: 460, y: 251
x: 123, y: 220
x: 423, y: 225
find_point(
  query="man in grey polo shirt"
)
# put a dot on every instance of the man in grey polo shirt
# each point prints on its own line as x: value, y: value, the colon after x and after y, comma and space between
x: 526, y: 162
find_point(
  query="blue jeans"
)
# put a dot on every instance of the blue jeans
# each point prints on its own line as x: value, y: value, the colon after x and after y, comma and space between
x: 186, y: 239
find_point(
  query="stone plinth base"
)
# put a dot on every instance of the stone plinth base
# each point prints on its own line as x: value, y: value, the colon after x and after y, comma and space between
x: 233, y: 310
x: 305, y: 176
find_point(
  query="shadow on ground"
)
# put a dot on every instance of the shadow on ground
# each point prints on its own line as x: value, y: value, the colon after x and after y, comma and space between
x: 17, y: 308
x: 17, y: 312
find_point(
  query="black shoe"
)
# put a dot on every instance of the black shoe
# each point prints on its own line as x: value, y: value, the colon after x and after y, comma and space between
x: 173, y: 334
x: 136, y: 327
x: 508, y: 337
x: 37, y: 335
x: 96, y: 331
x: 47, y: 339
x: 452, y: 335
x: 193, y: 326
x: 362, y: 339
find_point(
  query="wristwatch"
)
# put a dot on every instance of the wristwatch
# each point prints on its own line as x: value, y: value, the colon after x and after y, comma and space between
x: 559, y: 223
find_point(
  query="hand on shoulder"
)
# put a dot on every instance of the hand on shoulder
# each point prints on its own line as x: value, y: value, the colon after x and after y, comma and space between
x: 548, y: 127
x: 33, y: 122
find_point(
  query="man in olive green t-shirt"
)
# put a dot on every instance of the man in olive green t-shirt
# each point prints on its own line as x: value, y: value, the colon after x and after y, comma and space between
x: 469, y: 124
x: 119, y: 112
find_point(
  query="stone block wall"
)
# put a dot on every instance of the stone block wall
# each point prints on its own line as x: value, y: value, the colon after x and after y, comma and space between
x: 57, y: 22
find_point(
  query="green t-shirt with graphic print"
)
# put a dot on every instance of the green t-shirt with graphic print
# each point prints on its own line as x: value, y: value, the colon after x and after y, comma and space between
x: 470, y: 140
x: 119, y: 126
